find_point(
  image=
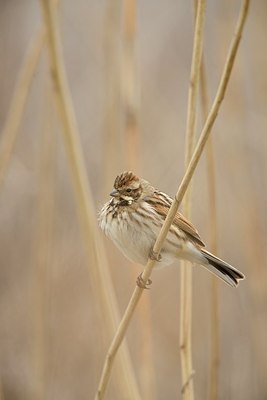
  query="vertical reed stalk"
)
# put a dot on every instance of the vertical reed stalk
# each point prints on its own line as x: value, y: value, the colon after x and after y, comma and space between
x: 99, y: 272
x: 130, y: 97
x: 113, y: 125
x: 125, y: 321
x: 130, y: 86
x: 186, y: 268
x: 214, y: 295
x: 43, y: 247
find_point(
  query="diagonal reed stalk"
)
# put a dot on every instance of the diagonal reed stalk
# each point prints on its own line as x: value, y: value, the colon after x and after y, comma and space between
x: 99, y: 272
x: 186, y: 268
x: 214, y: 294
x: 120, y: 334
x: 16, y: 109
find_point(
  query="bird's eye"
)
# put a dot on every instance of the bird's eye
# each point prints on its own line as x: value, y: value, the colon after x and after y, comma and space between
x: 128, y: 190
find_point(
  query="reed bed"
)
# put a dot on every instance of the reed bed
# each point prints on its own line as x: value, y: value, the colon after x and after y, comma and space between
x: 213, y: 243
x: 192, y: 164
x: 186, y: 290
x: 130, y: 89
x: 100, y: 273
x: 119, y: 89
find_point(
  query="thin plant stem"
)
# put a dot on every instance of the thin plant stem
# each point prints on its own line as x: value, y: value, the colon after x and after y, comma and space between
x: 186, y: 268
x: 99, y: 272
x: 43, y: 247
x: 16, y: 109
x: 113, y: 123
x: 214, y: 290
x: 19, y: 98
x: 122, y: 328
x: 130, y: 86
x: 130, y: 105
x: 2, y: 397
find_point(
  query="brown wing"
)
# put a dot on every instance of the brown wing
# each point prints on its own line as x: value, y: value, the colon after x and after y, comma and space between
x: 188, y: 228
x: 162, y: 203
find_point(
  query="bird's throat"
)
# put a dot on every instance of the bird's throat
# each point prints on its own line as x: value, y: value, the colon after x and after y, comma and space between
x: 125, y: 203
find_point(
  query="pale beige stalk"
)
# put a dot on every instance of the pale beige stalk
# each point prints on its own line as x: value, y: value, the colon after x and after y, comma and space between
x: 116, y: 342
x: 42, y: 248
x: 16, y: 109
x: 186, y: 268
x: 19, y: 98
x: 99, y: 272
x: 113, y: 99
x: 214, y: 290
x: 130, y: 107
x: 130, y: 93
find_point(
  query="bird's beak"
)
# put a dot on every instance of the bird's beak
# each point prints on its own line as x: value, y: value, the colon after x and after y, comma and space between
x: 114, y: 193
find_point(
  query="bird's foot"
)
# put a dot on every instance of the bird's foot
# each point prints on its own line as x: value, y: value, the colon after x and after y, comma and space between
x: 141, y: 283
x: 153, y: 256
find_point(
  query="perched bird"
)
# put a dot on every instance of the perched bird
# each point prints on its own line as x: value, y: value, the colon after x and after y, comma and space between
x: 133, y: 218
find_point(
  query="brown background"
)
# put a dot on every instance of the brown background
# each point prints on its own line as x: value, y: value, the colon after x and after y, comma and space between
x: 74, y: 351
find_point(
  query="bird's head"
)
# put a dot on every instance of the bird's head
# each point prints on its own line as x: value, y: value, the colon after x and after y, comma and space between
x: 128, y: 188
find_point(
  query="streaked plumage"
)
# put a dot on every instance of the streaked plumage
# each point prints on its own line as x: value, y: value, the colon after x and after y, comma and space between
x: 133, y: 218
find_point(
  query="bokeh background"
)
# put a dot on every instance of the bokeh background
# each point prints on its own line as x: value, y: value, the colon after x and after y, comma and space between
x: 52, y: 329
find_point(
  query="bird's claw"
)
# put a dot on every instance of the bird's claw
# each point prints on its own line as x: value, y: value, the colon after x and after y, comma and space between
x: 141, y: 283
x: 153, y: 256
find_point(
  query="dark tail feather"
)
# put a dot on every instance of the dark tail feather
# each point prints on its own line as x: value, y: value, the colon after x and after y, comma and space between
x: 222, y: 269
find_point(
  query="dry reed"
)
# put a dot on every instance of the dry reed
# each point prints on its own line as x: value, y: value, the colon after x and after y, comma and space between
x: 18, y: 101
x: 19, y: 98
x: 186, y: 268
x: 130, y: 107
x: 214, y: 290
x: 43, y: 244
x: 120, y: 334
x: 113, y: 124
x: 130, y: 86
x: 99, y: 272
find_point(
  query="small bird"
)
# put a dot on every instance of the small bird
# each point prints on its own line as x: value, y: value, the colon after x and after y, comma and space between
x: 133, y: 218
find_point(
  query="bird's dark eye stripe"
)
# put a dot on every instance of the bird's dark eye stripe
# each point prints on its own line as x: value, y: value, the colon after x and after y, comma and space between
x: 132, y: 190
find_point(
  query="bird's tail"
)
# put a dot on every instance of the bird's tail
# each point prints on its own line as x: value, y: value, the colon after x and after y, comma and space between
x: 222, y: 269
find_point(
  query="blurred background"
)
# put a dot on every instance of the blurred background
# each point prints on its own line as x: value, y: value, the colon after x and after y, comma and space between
x: 128, y: 79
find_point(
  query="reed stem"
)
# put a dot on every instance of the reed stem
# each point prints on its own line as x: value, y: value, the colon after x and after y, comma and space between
x: 122, y: 328
x: 214, y: 289
x: 186, y: 268
x: 99, y: 272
